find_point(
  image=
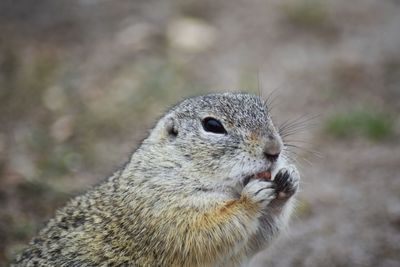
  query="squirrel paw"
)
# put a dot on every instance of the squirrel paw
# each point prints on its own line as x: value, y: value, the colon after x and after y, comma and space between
x: 287, y: 182
x: 261, y: 192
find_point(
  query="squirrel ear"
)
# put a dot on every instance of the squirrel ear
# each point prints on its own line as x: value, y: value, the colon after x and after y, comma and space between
x: 166, y: 128
x: 171, y: 127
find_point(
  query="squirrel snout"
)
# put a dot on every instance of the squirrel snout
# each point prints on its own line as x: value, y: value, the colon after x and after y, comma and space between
x: 271, y: 157
x: 273, y: 149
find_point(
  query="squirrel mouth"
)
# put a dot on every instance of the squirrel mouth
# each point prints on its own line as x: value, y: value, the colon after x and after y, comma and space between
x: 264, y: 175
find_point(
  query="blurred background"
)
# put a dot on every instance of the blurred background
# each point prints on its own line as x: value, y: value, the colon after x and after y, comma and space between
x: 82, y: 81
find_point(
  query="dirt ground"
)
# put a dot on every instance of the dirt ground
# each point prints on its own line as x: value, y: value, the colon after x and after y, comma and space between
x: 81, y: 82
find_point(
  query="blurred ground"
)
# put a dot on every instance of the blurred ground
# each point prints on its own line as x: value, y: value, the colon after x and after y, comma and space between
x: 82, y: 81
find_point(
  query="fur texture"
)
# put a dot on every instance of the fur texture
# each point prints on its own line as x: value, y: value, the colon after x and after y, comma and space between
x: 187, y: 196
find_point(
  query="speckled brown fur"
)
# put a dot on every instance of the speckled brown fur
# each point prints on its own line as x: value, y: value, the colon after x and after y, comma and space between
x: 183, y: 199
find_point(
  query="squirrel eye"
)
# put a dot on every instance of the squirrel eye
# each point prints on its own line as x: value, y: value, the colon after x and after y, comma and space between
x: 213, y: 125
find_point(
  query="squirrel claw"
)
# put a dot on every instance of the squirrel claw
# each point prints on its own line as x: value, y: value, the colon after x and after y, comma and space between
x: 287, y: 182
x: 261, y: 192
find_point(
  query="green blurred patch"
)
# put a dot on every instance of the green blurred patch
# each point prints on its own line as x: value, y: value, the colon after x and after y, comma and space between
x: 39, y: 199
x: 309, y: 14
x: 23, y: 230
x: 303, y: 209
x: 372, y: 125
x: 22, y: 80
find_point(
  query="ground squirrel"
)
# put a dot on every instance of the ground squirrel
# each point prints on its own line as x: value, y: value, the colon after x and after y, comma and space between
x: 197, y: 192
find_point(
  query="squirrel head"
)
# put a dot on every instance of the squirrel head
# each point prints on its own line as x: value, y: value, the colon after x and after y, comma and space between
x: 216, y: 137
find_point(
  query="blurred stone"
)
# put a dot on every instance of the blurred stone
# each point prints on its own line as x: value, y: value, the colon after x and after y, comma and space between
x: 191, y: 35
x: 136, y: 36
x: 62, y: 128
x: 54, y: 98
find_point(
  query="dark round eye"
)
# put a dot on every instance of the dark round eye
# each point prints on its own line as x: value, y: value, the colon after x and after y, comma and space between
x: 213, y: 125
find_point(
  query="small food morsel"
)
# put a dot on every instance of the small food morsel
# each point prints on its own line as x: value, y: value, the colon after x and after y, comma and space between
x: 264, y: 175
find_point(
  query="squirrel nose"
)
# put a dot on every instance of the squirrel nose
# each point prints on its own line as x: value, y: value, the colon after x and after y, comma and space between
x: 272, y: 150
x: 272, y: 157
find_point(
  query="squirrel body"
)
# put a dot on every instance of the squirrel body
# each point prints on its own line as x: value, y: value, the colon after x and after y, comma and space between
x: 188, y: 196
